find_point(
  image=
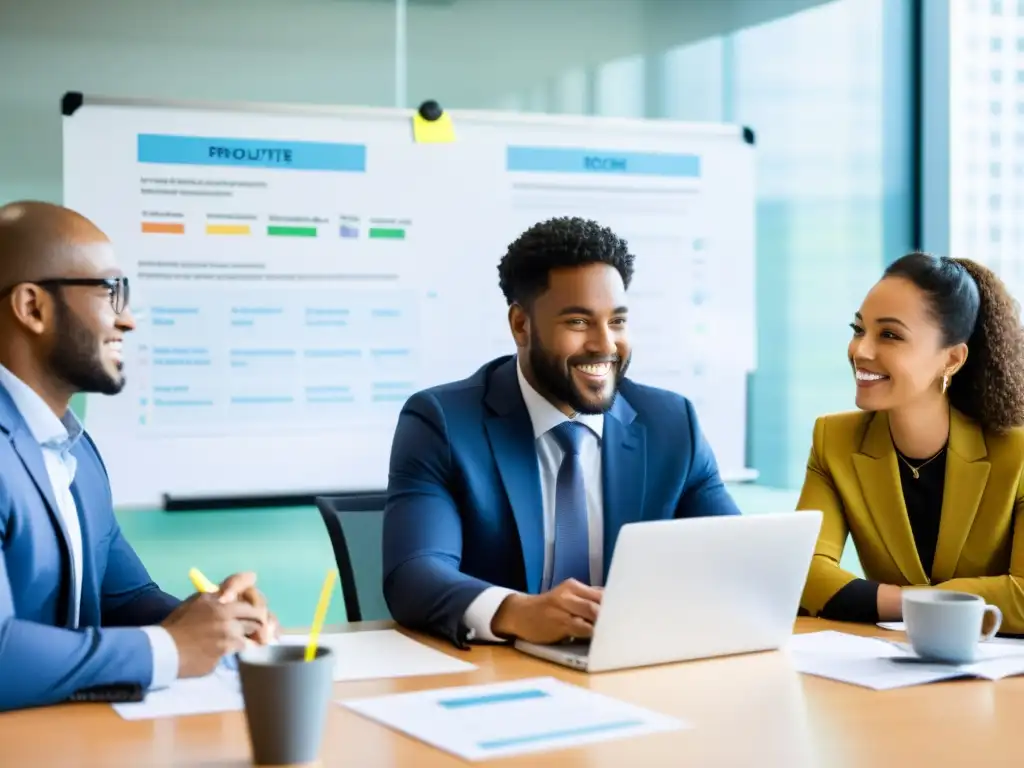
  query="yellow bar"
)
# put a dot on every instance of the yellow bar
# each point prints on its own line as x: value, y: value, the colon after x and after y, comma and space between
x: 227, y: 229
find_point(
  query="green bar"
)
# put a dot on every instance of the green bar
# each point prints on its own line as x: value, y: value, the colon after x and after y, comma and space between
x: 292, y: 231
x: 387, y: 234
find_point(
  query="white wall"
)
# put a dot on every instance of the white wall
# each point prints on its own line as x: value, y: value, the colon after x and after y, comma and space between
x: 302, y: 50
x: 520, y: 54
x: 305, y: 51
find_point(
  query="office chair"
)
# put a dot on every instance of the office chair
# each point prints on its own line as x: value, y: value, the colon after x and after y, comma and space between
x: 355, y: 525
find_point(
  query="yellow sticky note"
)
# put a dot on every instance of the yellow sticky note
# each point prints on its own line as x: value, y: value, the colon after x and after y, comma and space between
x: 440, y: 131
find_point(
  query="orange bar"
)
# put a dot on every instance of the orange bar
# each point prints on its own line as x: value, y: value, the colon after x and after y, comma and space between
x: 162, y: 228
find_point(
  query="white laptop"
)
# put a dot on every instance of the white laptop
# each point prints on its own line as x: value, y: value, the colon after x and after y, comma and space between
x: 696, y: 588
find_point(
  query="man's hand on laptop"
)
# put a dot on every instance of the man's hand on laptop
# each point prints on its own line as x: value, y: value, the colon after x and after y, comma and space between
x: 567, y: 611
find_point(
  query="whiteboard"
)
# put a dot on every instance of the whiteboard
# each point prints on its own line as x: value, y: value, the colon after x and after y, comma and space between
x: 298, y: 272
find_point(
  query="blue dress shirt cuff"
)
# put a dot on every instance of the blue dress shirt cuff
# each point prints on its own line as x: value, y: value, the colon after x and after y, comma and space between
x: 165, y: 656
x: 480, y: 614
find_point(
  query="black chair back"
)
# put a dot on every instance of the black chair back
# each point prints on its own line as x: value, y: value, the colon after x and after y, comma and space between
x: 355, y: 524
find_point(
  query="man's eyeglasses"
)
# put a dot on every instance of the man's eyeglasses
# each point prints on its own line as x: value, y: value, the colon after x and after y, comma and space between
x: 117, y: 287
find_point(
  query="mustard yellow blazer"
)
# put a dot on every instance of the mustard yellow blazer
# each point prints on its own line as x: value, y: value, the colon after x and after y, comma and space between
x: 854, y: 479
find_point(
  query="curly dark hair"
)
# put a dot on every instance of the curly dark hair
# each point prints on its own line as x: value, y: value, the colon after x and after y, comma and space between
x: 560, y: 242
x: 972, y: 305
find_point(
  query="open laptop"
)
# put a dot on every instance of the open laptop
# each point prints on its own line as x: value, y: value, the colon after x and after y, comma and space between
x: 696, y: 588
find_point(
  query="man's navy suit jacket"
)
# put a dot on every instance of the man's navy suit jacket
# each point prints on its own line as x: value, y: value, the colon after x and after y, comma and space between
x: 464, y: 509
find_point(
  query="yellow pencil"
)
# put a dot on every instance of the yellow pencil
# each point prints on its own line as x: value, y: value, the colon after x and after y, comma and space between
x: 203, y: 584
x: 200, y: 582
x: 321, y: 614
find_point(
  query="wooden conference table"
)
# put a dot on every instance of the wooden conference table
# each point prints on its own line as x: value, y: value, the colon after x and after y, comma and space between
x: 750, y: 710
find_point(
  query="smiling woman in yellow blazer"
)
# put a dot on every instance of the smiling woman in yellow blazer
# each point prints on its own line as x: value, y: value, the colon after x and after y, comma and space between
x: 928, y: 476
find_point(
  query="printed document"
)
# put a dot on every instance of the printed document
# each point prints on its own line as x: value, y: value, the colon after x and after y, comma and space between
x: 884, y: 664
x: 484, y: 722
x: 383, y: 653
x: 359, y: 656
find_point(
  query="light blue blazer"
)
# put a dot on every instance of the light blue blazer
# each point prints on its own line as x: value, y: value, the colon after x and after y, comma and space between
x: 42, y: 660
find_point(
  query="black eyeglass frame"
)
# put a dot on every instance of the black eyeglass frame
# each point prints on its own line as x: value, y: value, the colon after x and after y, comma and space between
x: 118, y: 287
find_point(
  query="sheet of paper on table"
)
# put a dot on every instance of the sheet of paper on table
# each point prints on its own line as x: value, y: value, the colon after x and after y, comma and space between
x: 383, y: 653
x: 893, y: 626
x: 359, y: 656
x: 899, y: 626
x: 883, y: 664
x: 219, y: 692
x: 483, y: 722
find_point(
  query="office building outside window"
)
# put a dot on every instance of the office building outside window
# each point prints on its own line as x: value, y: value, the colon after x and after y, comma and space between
x: 986, y: 134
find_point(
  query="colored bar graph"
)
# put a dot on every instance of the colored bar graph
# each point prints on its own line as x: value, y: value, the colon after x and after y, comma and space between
x: 227, y: 229
x: 291, y: 231
x: 162, y: 228
x: 387, y: 233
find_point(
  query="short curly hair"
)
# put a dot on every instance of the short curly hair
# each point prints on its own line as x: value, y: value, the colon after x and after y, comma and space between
x: 972, y: 305
x: 566, y: 241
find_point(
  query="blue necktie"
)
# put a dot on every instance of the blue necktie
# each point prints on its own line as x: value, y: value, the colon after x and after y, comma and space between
x: 572, y: 543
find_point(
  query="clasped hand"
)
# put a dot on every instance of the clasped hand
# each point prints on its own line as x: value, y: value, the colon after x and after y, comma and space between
x: 207, y: 627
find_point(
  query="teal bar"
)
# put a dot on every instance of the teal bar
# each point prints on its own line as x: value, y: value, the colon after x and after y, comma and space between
x: 494, y: 698
x: 533, y: 738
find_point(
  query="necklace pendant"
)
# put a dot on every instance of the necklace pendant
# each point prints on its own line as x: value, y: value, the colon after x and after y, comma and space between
x: 916, y: 475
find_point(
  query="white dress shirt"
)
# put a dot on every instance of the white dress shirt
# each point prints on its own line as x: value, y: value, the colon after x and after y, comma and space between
x: 56, y: 438
x: 544, y: 417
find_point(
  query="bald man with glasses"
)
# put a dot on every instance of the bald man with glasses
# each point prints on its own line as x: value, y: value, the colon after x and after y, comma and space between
x: 79, y: 614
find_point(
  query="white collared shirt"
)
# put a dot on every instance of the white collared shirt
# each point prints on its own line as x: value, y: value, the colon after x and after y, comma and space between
x: 56, y: 438
x: 544, y: 417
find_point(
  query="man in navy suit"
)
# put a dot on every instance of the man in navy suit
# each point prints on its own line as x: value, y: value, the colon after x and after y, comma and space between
x: 78, y: 611
x: 507, y: 490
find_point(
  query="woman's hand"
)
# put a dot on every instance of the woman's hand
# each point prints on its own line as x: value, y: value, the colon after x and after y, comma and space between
x: 890, y: 602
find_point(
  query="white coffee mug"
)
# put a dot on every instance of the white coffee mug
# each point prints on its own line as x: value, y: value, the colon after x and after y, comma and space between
x: 946, y: 626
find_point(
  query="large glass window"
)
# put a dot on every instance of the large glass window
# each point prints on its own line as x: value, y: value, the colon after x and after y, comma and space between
x: 975, y: 84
